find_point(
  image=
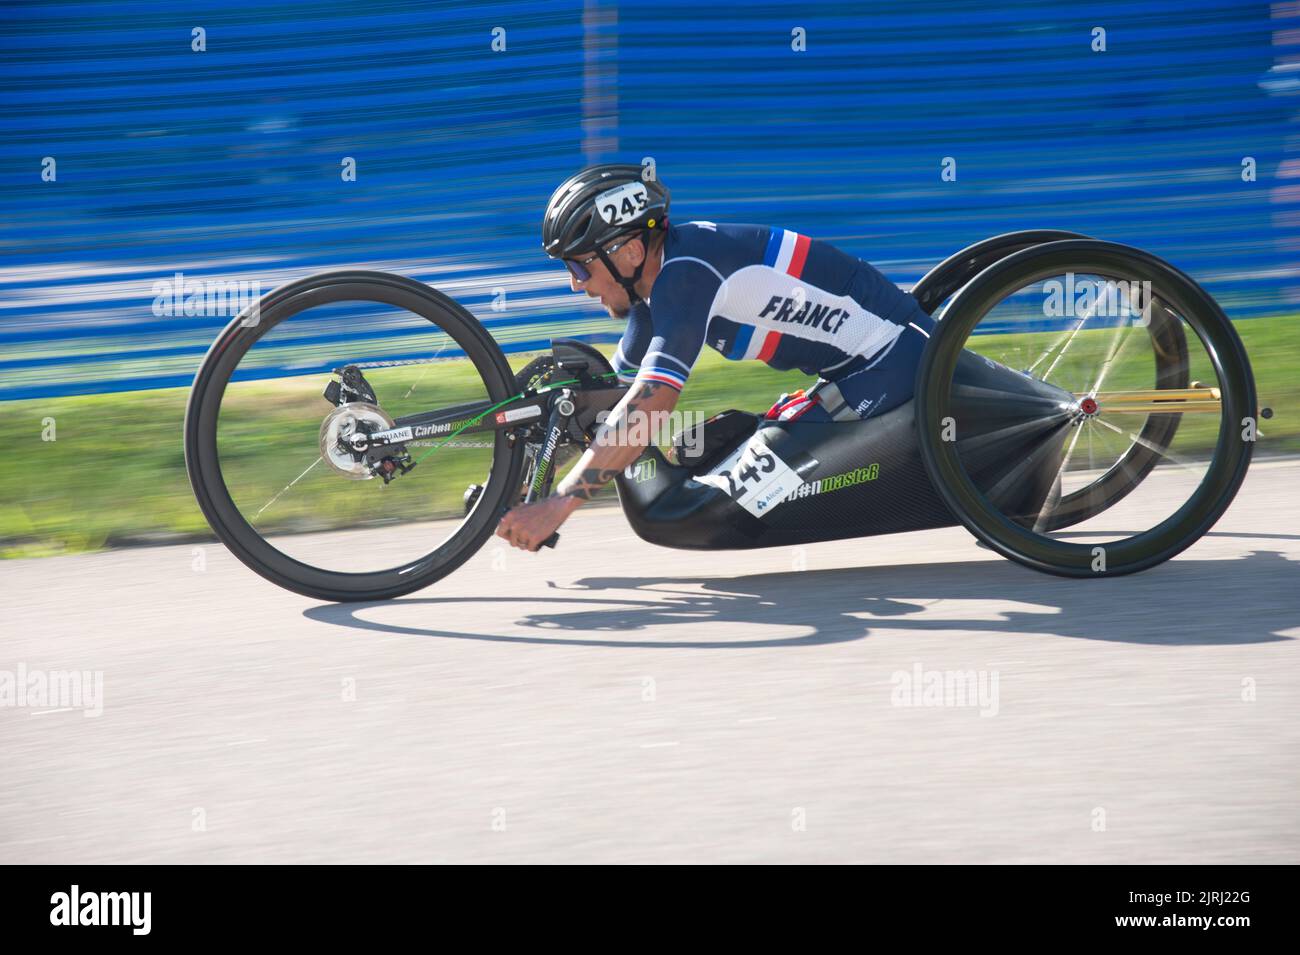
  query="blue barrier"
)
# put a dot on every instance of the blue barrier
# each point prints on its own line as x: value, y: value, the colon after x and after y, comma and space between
x: 834, y: 119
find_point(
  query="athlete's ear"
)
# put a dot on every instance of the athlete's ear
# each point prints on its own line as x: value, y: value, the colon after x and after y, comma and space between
x: 635, y: 251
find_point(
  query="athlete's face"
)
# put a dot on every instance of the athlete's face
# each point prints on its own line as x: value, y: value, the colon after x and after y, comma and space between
x: 602, y: 285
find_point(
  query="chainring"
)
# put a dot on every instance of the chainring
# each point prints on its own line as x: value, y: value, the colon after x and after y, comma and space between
x: 536, y: 373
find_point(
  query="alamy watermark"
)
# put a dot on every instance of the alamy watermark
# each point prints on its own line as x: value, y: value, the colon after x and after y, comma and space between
x: 957, y: 688
x: 128, y: 909
x: 179, y: 296
x: 53, y: 689
x: 1104, y: 298
x: 645, y: 428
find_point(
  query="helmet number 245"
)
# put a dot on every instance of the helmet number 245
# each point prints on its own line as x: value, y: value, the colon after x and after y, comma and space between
x: 623, y: 203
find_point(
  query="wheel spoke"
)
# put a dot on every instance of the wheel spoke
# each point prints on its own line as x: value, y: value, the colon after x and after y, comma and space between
x: 1078, y: 326
x: 1016, y: 400
x: 1163, y: 452
x: 1117, y: 345
x: 1044, y: 510
x: 280, y: 493
x: 424, y: 371
x: 1018, y: 430
x: 1016, y: 474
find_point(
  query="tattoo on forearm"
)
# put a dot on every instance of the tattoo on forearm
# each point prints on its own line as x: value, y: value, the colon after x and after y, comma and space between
x: 584, y: 484
x: 641, y: 392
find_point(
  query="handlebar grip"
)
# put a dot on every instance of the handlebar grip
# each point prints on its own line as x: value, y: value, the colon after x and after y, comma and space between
x: 549, y: 542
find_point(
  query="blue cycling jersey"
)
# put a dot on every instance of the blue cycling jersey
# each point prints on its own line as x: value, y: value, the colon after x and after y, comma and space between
x: 756, y: 292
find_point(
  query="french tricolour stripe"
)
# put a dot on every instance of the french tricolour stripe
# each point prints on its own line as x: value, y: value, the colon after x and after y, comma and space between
x: 787, y: 252
x: 768, y: 348
x: 741, y: 343
x: 667, y: 376
x: 753, y: 343
x: 762, y: 345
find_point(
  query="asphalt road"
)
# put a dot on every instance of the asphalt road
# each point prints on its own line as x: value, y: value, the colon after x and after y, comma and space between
x: 614, y: 701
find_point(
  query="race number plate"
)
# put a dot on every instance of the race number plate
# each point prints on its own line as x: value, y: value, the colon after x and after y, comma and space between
x: 754, y: 477
x: 622, y: 203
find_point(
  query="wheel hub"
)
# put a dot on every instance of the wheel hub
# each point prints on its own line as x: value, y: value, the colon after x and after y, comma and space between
x: 343, y: 437
x: 1085, y: 408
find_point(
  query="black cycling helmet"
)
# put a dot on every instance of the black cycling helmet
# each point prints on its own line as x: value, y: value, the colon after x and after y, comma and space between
x: 598, y: 205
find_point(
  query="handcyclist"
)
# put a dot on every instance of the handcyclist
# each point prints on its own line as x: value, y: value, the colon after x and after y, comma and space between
x: 748, y: 291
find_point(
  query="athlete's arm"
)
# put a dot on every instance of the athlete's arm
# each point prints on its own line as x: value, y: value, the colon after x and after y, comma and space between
x: 655, y: 356
x: 634, y: 344
x: 621, y: 439
x: 665, y: 343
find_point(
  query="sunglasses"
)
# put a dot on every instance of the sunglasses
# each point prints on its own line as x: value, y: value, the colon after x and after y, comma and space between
x: 578, y: 268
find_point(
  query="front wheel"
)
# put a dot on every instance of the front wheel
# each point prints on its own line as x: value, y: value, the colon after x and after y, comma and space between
x: 267, y: 430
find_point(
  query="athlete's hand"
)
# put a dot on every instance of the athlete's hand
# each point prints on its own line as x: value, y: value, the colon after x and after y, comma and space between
x: 528, y: 525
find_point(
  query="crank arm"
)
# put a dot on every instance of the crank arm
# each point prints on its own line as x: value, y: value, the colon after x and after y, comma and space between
x: 543, y: 470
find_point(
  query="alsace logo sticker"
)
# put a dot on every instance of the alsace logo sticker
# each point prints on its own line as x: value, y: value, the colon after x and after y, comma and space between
x: 623, y: 203
x: 518, y: 414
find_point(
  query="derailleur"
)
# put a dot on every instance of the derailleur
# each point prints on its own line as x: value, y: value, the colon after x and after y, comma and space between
x: 351, y: 386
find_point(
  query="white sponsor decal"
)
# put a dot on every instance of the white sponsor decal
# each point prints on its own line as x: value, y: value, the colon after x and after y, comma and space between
x: 395, y: 435
x: 755, y: 477
x: 622, y: 203
x: 514, y: 414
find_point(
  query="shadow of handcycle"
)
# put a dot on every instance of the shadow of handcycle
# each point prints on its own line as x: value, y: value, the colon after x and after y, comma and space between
x: 1182, y: 603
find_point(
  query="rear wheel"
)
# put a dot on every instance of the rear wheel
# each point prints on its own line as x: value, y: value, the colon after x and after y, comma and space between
x: 262, y: 443
x: 938, y: 285
x: 1088, y: 385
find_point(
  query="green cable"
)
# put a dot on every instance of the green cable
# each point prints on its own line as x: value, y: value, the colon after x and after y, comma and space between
x: 473, y: 421
x: 470, y: 423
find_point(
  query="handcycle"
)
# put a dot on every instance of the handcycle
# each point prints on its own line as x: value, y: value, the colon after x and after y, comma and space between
x: 1071, y: 383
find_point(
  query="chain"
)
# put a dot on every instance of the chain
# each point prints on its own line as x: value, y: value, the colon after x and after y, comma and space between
x: 400, y: 361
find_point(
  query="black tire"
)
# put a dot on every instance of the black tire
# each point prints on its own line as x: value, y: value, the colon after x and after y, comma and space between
x: 203, y: 463
x: 1004, y: 533
x: 960, y: 267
